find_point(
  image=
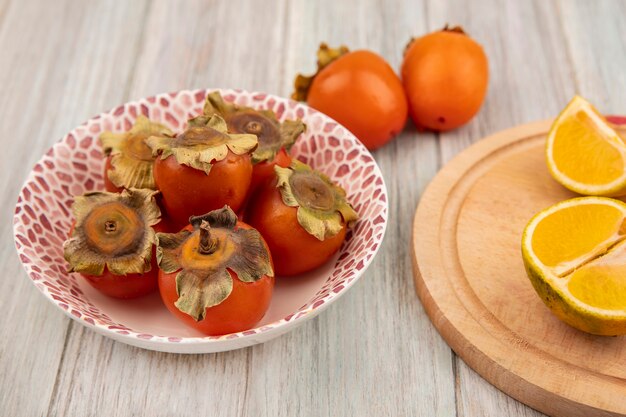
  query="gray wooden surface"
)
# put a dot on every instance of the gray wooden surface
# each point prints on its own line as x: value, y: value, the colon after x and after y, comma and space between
x: 373, y: 353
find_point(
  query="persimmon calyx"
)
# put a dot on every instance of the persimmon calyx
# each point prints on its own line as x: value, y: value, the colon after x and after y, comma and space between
x: 272, y: 134
x: 322, y: 206
x: 325, y: 56
x: 132, y: 159
x: 446, y: 28
x: 202, y: 144
x: 456, y: 29
x: 114, y: 231
x: 204, y: 256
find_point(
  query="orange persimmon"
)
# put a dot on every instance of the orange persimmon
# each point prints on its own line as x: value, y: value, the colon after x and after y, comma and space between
x: 445, y: 75
x: 359, y: 90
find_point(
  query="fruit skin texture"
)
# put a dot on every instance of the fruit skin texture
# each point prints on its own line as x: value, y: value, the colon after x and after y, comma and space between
x: 125, y: 286
x: 362, y: 92
x: 264, y: 171
x: 559, y: 303
x: 568, y: 313
x: 131, y: 285
x: 445, y: 76
x: 108, y: 185
x: 245, y: 306
x: 187, y: 191
x: 293, y: 249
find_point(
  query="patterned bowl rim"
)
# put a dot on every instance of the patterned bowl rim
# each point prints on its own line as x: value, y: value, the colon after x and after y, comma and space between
x: 276, y: 327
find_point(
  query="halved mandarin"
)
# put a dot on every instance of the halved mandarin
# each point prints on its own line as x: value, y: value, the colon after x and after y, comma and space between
x: 575, y: 256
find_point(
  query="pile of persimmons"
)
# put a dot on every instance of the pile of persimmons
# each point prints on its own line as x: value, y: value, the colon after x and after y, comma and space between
x: 172, y: 215
x: 212, y: 214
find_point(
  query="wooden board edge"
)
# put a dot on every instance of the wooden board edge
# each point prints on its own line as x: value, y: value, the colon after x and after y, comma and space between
x: 518, y: 387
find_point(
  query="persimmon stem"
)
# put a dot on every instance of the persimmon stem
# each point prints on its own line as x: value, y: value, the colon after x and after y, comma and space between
x: 254, y: 127
x: 457, y: 29
x: 208, y: 244
x: 110, y: 226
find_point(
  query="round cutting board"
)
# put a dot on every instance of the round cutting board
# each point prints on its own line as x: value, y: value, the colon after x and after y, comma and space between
x: 470, y: 277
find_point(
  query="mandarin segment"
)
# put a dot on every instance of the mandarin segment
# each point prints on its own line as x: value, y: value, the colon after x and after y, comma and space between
x: 602, y: 282
x: 594, y: 158
x: 584, y: 153
x: 591, y: 231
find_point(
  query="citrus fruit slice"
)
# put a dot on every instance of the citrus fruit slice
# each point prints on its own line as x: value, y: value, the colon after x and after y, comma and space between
x: 584, y: 153
x: 575, y: 256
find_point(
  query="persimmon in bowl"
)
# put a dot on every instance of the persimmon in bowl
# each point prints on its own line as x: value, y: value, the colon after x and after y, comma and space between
x: 74, y: 166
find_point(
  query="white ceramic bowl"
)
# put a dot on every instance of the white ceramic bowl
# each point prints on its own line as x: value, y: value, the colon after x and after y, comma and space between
x: 75, y: 165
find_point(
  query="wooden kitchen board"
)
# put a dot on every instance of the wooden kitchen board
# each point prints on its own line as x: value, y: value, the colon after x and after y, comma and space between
x: 470, y: 277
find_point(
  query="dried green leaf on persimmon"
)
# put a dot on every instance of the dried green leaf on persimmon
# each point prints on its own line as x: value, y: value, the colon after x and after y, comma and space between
x: 113, y: 231
x: 132, y: 159
x: 272, y: 134
x: 199, y: 290
x: 325, y: 56
x: 204, y: 256
x: 322, y: 205
x: 202, y: 144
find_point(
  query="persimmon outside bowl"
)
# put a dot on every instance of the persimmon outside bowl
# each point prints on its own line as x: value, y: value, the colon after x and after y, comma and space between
x: 74, y: 166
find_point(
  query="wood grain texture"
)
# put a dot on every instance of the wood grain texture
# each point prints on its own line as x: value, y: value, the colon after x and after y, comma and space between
x: 472, y: 281
x: 373, y: 353
x: 48, y: 86
x: 530, y: 79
